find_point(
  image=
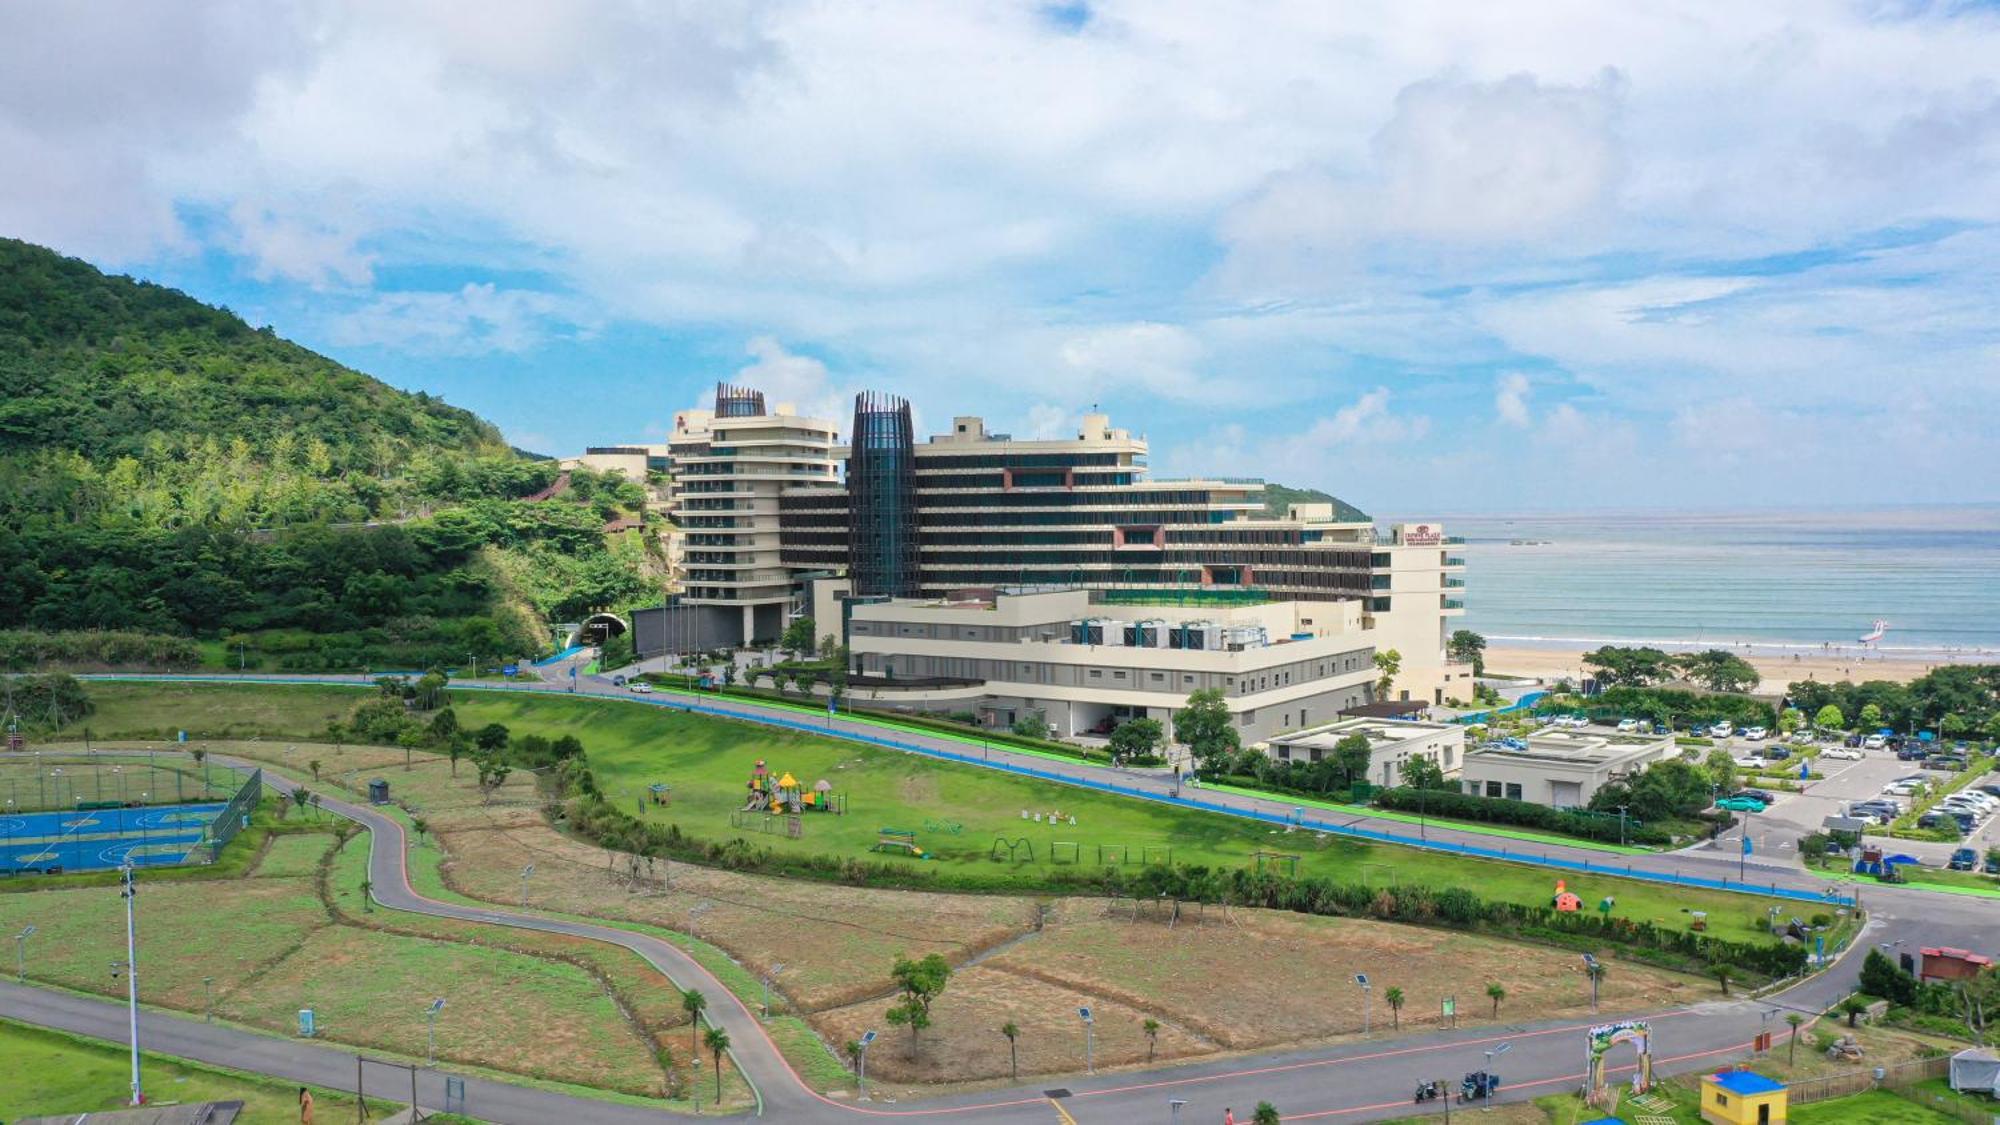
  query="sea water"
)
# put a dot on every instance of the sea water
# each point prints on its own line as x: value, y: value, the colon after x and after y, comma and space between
x: 1773, y: 580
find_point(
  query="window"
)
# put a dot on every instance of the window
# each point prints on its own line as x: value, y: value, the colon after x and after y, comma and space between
x: 1159, y: 677
x: 1285, y: 754
x: 1492, y: 789
x: 1513, y: 791
x: 1119, y: 674
x: 1097, y: 673
x: 1187, y: 679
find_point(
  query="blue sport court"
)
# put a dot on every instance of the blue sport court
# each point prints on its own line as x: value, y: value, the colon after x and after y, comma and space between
x: 103, y: 839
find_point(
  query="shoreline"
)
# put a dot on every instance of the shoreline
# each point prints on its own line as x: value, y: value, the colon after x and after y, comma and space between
x: 1779, y: 665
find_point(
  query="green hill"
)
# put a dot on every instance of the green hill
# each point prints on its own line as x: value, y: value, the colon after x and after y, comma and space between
x: 167, y: 469
x: 1278, y: 501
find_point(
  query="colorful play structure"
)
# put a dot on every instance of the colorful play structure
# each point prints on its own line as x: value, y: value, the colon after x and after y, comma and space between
x: 899, y: 840
x: 1565, y: 902
x: 784, y: 795
x: 1874, y: 860
x: 1606, y: 1036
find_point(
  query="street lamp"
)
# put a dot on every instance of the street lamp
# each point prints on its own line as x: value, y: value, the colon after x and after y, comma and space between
x: 768, y: 975
x: 861, y: 1062
x: 1174, y: 1106
x: 525, y: 873
x: 1367, y: 1001
x: 431, y: 1013
x: 1089, y: 1024
x: 1490, y: 1056
x: 129, y: 890
x: 1621, y: 824
x: 21, y: 953
x: 208, y: 999
x: 1595, y: 972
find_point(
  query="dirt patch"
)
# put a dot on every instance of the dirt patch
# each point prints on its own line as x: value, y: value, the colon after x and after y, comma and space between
x: 836, y: 943
x: 964, y: 1041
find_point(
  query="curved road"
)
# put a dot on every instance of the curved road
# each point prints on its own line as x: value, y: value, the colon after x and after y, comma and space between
x: 1359, y: 1081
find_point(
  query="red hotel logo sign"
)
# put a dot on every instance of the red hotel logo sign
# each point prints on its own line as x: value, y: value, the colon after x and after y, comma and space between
x: 1422, y: 535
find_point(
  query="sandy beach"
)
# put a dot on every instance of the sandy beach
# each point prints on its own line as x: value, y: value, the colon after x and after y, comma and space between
x: 1779, y: 669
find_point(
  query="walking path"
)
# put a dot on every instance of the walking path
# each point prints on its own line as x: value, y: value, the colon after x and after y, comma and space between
x: 1360, y: 1081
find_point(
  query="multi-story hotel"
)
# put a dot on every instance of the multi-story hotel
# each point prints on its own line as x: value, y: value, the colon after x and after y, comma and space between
x: 971, y: 509
x: 729, y: 466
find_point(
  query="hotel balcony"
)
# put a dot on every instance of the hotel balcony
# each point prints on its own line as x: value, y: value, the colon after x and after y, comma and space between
x: 1454, y: 583
x: 1454, y: 560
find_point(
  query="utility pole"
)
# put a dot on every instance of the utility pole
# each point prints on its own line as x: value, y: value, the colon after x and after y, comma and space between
x: 21, y: 953
x: 130, y: 892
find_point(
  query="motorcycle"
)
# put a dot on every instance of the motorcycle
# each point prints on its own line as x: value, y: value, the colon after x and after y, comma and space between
x: 1478, y: 1084
x: 1427, y: 1091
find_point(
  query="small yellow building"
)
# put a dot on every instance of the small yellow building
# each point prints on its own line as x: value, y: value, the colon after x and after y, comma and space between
x: 1742, y: 1097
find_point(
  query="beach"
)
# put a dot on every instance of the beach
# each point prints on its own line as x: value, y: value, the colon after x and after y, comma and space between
x: 1777, y: 666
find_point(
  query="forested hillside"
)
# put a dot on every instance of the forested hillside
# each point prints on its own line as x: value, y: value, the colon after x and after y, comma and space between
x: 1278, y: 501
x: 165, y: 468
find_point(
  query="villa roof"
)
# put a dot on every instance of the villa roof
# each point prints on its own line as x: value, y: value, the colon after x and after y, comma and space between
x: 1745, y: 1083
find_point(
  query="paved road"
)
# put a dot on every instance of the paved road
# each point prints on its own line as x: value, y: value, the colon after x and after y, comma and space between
x: 1357, y: 1081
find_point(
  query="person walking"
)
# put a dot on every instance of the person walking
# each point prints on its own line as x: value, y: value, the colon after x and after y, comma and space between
x: 305, y: 1106
x: 1228, y: 1116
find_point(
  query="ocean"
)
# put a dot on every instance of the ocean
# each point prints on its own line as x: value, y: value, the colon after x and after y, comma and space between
x: 1772, y: 580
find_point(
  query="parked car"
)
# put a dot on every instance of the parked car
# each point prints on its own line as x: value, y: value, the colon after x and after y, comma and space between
x: 1756, y: 734
x: 1853, y: 740
x: 1993, y: 863
x: 1874, y: 742
x: 1721, y: 730
x: 1990, y: 790
x: 1802, y: 738
x: 1940, y: 820
x: 1740, y: 803
x: 1964, y: 859
x: 641, y: 687
x: 1777, y: 753
x: 1751, y: 762
x: 1763, y: 795
x: 1627, y: 726
x: 1902, y: 788
x: 1945, y: 763
x: 1842, y: 753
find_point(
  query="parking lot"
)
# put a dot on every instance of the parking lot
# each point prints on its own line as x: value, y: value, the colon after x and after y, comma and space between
x: 1799, y: 813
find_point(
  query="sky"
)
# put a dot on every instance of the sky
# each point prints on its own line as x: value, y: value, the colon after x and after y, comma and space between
x: 1431, y: 257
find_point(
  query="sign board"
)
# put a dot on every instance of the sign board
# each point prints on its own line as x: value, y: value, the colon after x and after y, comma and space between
x: 1084, y: 1013
x: 1361, y: 979
x: 510, y: 669
x: 307, y: 1024
x: 1449, y: 1007
x: 867, y: 1037
x: 1420, y: 534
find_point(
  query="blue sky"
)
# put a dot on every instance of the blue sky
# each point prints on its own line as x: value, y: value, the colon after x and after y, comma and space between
x: 1432, y: 257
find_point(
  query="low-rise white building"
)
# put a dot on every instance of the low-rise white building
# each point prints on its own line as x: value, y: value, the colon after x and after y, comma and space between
x: 1562, y: 769
x: 1392, y: 743
x: 1087, y: 663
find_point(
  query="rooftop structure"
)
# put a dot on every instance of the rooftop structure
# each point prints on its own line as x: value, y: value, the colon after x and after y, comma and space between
x: 1561, y: 769
x: 1392, y: 744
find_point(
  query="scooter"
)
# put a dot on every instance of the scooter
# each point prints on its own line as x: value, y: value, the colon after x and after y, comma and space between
x: 1427, y: 1091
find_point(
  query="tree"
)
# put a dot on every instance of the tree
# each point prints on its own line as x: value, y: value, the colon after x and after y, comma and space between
x: 798, y: 636
x: 1790, y: 719
x: 1013, y: 1033
x: 455, y: 749
x: 1151, y: 1027
x: 300, y: 795
x: 198, y: 754
x: 314, y: 767
x: 1136, y: 738
x: 1723, y: 974
x: 1467, y: 647
x: 919, y: 983
x: 1034, y: 724
x: 693, y: 1002
x: 1203, y: 727
x: 493, y: 771
x: 1619, y: 666
x: 1351, y: 756
x: 1424, y: 773
x: 1852, y: 1007
x: 718, y: 1042
x: 443, y: 727
x: 1388, y: 663
x: 1265, y: 1114
x: 491, y: 738
x: 1496, y: 994
x: 1395, y: 998
x: 421, y: 826
x: 1794, y: 1019
x: 1830, y: 718
x: 1718, y: 670
x: 1871, y: 716
x: 1882, y: 977
x: 367, y: 895
x: 1720, y: 766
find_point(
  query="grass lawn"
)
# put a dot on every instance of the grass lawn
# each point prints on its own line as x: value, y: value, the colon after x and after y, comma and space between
x: 50, y: 1073
x: 707, y: 761
x: 1877, y: 1107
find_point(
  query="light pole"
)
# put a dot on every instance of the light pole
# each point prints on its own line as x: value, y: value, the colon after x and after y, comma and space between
x: 1174, y: 1106
x: 1089, y: 1024
x: 774, y: 971
x: 1367, y: 1001
x: 21, y: 953
x: 1621, y: 824
x: 431, y: 1013
x: 861, y: 1062
x: 130, y: 892
x: 208, y: 999
x: 525, y: 873
x: 1594, y: 971
x: 1490, y: 1056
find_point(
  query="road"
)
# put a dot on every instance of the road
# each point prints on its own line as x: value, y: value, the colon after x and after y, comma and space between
x: 1356, y: 1081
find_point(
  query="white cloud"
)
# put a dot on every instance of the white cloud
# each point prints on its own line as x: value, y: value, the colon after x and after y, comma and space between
x: 788, y: 377
x: 1162, y: 359
x: 1510, y: 399
x: 477, y: 319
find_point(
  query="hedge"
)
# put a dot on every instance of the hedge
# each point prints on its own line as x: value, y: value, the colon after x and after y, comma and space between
x: 1524, y: 814
x: 22, y: 649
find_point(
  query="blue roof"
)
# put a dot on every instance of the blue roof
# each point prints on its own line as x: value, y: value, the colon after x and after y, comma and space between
x: 1746, y: 1082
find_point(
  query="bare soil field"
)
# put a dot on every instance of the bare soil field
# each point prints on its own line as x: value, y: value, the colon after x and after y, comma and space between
x: 836, y: 943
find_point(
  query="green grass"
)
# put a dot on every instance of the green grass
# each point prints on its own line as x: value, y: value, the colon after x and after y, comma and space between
x: 51, y: 1072
x: 708, y: 760
x: 1877, y: 1107
x: 54, y: 781
x: 1503, y: 832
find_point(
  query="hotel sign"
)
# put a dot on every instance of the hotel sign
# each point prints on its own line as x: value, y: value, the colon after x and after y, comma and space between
x: 1420, y: 534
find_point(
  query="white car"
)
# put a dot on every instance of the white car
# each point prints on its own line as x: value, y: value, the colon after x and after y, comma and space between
x: 1721, y: 730
x: 1843, y: 753
x: 1874, y: 742
x: 1756, y: 734
x: 1802, y: 738
x: 1627, y: 726
x: 1752, y: 763
x: 641, y: 687
x: 1903, y: 788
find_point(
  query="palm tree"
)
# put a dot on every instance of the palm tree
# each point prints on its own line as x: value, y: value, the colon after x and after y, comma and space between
x: 1264, y: 1114
x: 1496, y: 993
x: 853, y: 1049
x: 1013, y: 1057
x: 421, y: 825
x: 301, y: 795
x: 692, y: 1002
x: 1722, y: 976
x: 1395, y: 998
x: 1852, y: 1007
x: 314, y: 767
x: 718, y: 1042
x: 1152, y: 1030
x: 1792, y: 1048
x: 367, y: 895
x: 198, y: 753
